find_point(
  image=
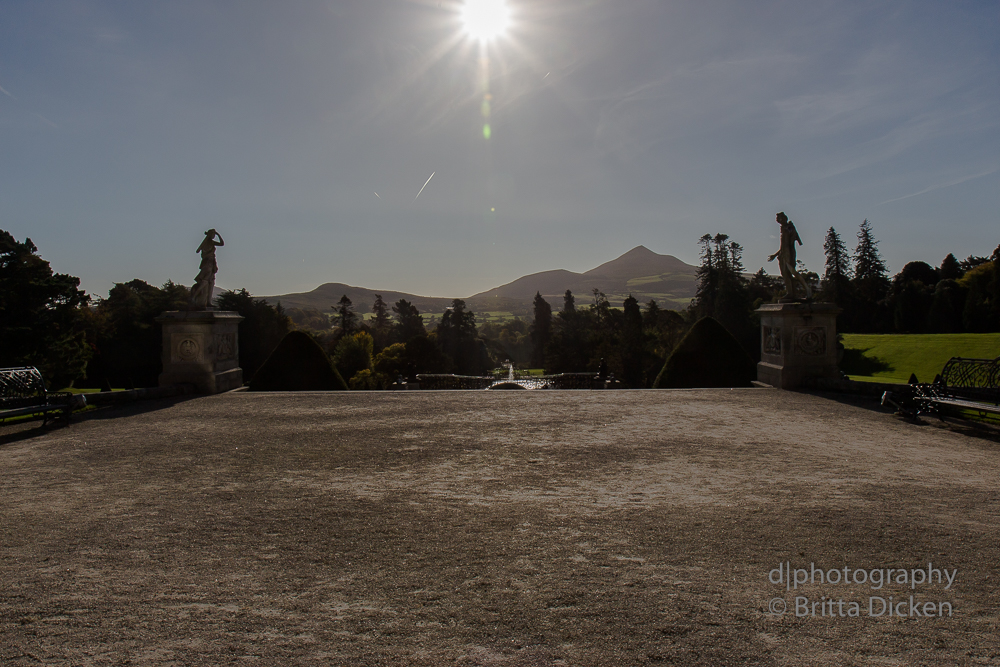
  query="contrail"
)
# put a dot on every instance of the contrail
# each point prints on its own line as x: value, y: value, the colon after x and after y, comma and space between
x: 6, y: 93
x: 376, y: 194
x: 425, y: 184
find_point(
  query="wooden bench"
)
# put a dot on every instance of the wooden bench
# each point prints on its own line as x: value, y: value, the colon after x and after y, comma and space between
x: 23, y: 392
x: 963, y: 385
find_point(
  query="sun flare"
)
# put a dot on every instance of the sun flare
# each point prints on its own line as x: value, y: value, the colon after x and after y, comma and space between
x: 485, y: 19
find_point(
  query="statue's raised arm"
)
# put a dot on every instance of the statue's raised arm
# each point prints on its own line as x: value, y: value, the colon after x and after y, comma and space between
x: 204, y: 282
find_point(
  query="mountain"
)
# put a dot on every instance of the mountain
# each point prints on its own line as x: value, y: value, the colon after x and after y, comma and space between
x: 641, y: 261
x: 327, y: 295
x: 640, y: 272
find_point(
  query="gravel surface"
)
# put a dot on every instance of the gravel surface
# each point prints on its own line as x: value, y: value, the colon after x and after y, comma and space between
x: 493, y: 528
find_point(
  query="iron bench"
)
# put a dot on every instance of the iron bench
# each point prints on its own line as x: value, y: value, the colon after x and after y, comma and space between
x: 23, y: 392
x: 964, y: 384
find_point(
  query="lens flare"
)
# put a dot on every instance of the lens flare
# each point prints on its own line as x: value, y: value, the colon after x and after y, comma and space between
x: 485, y: 19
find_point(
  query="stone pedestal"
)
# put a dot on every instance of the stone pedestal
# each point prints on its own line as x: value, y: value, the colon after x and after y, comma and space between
x: 201, y: 347
x: 798, y: 341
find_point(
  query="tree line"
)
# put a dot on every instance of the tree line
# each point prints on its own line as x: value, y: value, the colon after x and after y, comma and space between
x: 115, y: 341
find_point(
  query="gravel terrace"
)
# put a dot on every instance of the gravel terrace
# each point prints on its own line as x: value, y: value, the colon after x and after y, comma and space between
x: 492, y: 528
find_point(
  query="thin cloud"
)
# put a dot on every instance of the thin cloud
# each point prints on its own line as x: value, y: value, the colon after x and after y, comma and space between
x: 46, y: 120
x: 942, y: 185
x: 6, y: 93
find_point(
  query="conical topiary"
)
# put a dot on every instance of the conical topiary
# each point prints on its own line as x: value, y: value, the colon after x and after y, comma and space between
x: 297, y: 364
x: 707, y: 356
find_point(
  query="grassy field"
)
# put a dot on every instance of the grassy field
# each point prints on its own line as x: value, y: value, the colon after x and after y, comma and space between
x: 892, y: 357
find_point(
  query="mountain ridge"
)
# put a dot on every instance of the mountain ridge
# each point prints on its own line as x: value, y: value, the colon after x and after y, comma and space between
x: 640, y: 272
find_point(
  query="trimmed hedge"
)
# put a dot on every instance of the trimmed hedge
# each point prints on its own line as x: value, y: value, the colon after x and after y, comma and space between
x: 707, y: 356
x: 298, y: 364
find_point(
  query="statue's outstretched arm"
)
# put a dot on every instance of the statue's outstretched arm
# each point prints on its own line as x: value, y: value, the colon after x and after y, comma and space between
x: 221, y: 242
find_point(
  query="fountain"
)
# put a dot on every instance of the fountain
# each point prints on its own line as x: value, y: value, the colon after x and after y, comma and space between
x: 513, y: 382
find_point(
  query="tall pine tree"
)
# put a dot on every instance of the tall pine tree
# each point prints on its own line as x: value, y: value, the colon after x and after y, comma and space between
x: 836, y: 280
x: 870, y: 285
x: 345, y: 313
x: 541, y: 330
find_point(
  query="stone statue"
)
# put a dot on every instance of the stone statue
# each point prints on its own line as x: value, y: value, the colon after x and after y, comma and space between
x: 786, y: 258
x: 204, y: 283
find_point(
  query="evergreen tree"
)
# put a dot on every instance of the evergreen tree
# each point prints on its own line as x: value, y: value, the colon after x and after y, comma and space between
x: 836, y: 280
x: 568, y: 350
x: 868, y: 264
x: 569, y: 303
x: 345, y: 313
x: 870, y: 285
x: 541, y: 330
x: 458, y: 339
x: 382, y: 324
x: 722, y: 291
x: 950, y: 269
x: 632, y: 347
x: 409, y: 322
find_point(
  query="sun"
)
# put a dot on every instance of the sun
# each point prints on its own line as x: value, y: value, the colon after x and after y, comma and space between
x: 485, y: 19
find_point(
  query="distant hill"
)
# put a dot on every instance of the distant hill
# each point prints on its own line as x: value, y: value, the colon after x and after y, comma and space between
x: 640, y: 272
x: 326, y: 295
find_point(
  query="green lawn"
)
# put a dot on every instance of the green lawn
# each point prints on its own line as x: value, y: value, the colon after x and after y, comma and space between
x: 892, y: 357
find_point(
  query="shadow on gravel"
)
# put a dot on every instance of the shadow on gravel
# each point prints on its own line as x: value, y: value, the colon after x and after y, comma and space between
x: 873, y: 403
x: 18, y: 431
x: 966, y: 427
x: 133, y: 408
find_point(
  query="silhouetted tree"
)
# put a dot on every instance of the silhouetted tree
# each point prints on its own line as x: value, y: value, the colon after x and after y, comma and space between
x: 508, y: 341
x: 950, y: 268
x: 911, y: 295
x: 981, y: 313
x: 569, y: 303
x: 381, y: 324
x: 346, y: 315
x: 568, y: 350
x: 837, y: 278
x: 409, y: 323
x: 354, y: 354
x: 126, y: 337
x: 457, y: 337
x: 541, y: 330
x: 262, y: 328
x: 947, y: 304
x: 870, y: 285
x: 41, y: 318
x: 722, y: 290
x: 298, y: 363
x: 632, y: 348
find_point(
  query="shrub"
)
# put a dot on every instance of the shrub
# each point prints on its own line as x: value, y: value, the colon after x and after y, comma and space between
x: 354, y: 354
x: 297, y: 364
x: 708, y: 356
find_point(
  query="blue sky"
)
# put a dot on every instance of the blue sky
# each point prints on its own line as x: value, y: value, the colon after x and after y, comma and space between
x: 127, y: 129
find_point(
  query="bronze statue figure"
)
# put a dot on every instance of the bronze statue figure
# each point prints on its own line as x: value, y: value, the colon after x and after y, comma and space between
x: 786, y: 258
x: 204, y: 283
